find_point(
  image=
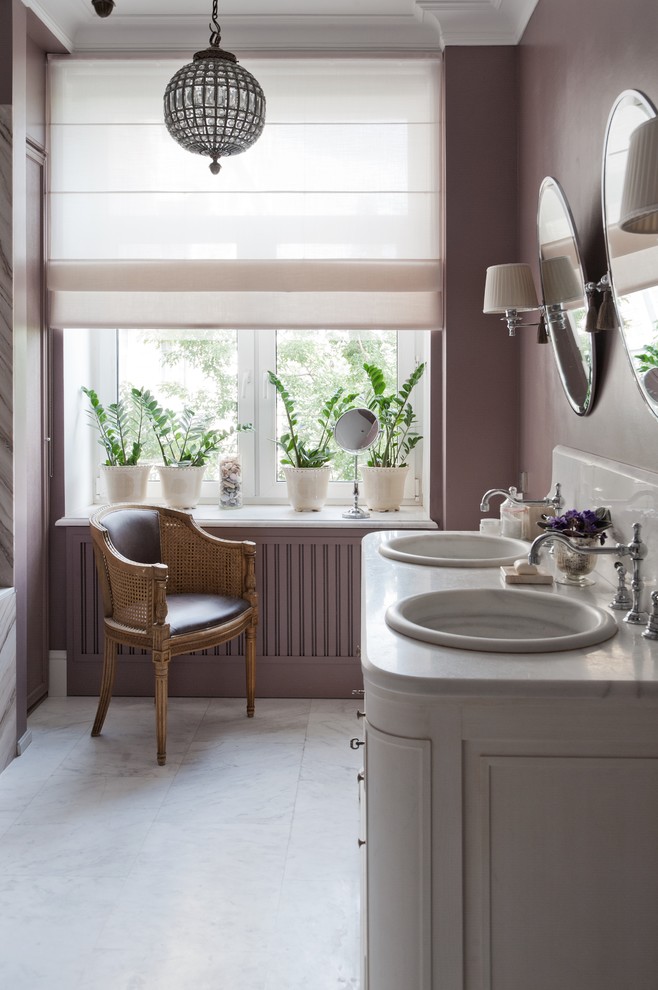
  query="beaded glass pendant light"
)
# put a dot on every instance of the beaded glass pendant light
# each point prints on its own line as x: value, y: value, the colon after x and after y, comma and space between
x: 212, y: 106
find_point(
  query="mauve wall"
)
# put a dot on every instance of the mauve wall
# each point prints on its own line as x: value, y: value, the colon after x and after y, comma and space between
x: 480, y: 363
x: 574, y: 59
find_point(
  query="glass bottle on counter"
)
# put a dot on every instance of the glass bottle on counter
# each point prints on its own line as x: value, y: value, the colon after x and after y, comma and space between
x: 230, y: 482
x: 513, y: 517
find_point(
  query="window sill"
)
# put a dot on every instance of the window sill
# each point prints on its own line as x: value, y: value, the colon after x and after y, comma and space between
x: 282, y: 516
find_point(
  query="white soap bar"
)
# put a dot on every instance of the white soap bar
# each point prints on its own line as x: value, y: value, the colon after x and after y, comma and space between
x: 490, y: 526
x: 523, y: 567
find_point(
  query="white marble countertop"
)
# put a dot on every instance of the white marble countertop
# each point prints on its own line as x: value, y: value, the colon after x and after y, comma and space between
x: 625, y: 666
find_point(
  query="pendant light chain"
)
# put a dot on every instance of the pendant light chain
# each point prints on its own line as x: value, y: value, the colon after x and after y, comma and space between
x: 215, y: 33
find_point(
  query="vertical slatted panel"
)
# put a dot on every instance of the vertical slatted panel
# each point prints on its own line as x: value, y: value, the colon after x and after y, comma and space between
x: 90, y: 607
x: 309, y: 598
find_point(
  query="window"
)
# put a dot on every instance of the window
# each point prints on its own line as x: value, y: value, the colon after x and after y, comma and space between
x: 317, y: 245
x: 223, y: 376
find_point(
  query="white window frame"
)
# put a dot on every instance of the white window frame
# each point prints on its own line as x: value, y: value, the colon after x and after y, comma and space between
x: 98, y: 367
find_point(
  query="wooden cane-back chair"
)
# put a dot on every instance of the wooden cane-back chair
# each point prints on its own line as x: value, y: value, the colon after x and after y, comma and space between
x: 170, y: 588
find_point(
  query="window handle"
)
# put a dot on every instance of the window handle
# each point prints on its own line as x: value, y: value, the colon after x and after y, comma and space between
x: 266, y: 385
x: 245, y: 382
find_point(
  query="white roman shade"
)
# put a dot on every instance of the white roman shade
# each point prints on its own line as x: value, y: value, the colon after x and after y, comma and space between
x: 330, y: 220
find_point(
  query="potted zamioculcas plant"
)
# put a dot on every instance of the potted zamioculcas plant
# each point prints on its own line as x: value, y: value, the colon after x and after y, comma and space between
x: 186, y: 445
x: 121, y: 426
x: 306, y: 462
x: 386, y: 470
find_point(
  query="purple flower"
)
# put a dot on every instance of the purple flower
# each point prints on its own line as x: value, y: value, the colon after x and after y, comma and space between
x: 580, y: 523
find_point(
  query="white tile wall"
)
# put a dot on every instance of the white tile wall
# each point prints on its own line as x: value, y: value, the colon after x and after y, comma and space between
x: 630, y: 493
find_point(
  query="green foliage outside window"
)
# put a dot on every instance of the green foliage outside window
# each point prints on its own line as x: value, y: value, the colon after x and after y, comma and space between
x: 314, y: 364
x: 188, y: 369
x: 198, y: 369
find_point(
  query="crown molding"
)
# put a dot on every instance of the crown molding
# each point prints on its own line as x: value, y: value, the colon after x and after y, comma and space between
x: 52, y: 23
x: 414, y: 25
x: 479, y: 22
x: 266, y: 34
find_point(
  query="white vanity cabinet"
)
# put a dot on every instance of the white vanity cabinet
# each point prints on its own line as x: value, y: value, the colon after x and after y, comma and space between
x: 512, y: 809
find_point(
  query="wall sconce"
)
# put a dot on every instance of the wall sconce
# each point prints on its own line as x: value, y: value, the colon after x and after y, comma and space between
x: 605, y: 317
x: 560, y: 285
x: 639, y: 201
x: 510, y: 289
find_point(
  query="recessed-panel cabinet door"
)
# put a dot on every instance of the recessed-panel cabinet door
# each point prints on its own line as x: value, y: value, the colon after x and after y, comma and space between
x: 562, y: 872
x: 399, y: 864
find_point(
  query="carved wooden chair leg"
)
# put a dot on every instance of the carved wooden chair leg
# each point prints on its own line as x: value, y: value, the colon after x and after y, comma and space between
x: 107, y: 683
x: 161, y: 666
x: 250, y: 663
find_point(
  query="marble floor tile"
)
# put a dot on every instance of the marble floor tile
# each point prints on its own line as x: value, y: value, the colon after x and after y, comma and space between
x: 322, y: 847
x: 228, y: 794
x: 234, y: 866
x: 49, y: 927
x: 180, y: 930
x: 315, y: 945
x: 98, y: 848
x: 7, y: 818
x: 235, y: 854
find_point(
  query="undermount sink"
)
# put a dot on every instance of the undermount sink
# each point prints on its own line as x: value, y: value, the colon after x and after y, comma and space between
x: 499, y: 621
x: 455, y: 549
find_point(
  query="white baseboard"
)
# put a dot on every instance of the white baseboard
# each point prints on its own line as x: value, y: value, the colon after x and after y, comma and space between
x: 23, y: 742
x: 57, y: 674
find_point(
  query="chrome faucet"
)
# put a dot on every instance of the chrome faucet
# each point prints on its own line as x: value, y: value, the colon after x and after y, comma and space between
x: 636, y: 550
x: 554, y: 500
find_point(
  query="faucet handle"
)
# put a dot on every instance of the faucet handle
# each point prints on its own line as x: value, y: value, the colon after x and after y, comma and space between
x: 622, y: 600
x: 651, y: 632
x: 637, y: 548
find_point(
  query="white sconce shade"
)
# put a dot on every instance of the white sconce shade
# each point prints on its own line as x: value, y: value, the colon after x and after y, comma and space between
x: 509, y: 287
x: 639, y: 201
x: 559, y: 281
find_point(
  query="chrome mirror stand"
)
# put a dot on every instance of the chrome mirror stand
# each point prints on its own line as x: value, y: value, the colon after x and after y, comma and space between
x: 356, y: 430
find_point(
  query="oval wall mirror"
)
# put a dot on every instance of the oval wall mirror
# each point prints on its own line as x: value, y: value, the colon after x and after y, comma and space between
x: 565, y: 297
x: 632, y: 257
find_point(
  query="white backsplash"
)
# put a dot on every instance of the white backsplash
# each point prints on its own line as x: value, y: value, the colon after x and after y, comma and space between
x: 631, y: 494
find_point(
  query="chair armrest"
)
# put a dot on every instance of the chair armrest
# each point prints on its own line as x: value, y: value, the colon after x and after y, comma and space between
x: 134, y: 595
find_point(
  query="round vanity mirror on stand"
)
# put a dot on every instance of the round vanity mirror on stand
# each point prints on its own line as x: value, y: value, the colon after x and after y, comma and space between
x: 632, y: 255
x: 356, y: 430
x: 565, y: 296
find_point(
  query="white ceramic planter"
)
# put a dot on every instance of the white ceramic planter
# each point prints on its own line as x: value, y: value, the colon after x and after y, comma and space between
x: 181, y: 486
x: 307, y: 487
x: 125, y: 483
x: 383, y: 488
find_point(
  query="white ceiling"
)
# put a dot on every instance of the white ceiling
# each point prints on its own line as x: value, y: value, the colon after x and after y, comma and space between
x: 285, y: 25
